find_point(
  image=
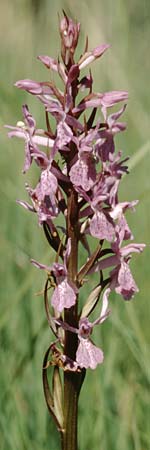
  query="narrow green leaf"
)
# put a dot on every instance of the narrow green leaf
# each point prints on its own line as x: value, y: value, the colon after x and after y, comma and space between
x: 91, y: 301
x: 47, y: 393
x: 48, y: 396
x: 85, y: 269
x: 57, y: 396
x: 47, y: 310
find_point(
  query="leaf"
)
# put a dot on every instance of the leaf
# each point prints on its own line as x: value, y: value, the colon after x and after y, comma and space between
x: 53, y: 238
x: 85, y: 243
x: 85, y: 269
x: 49, y: 317
x: 47, y: 393
x: 57, y: 396
x: 91, y: 301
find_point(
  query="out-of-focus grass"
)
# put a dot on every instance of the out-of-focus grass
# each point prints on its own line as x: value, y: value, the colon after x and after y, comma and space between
x: 114, y: 410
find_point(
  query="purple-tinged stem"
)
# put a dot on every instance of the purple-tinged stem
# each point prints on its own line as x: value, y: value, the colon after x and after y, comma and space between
x: 72, y: 381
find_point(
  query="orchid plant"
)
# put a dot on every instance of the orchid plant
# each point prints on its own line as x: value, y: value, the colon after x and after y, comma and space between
x: 79, y: 178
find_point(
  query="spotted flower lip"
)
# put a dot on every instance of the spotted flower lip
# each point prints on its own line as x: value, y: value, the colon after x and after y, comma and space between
x: 64, y: 295
x: 101, y: 226
x: 83, y: 172
x: 88, y: 355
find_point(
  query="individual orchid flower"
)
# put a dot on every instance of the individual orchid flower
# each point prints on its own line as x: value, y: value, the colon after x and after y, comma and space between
x: 34, y: 87
x: 105, y: 146
x: 121, y: 279
x: 105, y: 100
x: 54, y: 65
x: 64, y: 295
x: 113, y: 172
x: 43, y: 197
x: 88, y: 355
x: 83, y: 171
x: 101, y: 224
x: 27, y: 130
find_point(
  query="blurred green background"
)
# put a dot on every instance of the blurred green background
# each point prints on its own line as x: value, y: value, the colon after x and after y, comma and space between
x: 114, y: 408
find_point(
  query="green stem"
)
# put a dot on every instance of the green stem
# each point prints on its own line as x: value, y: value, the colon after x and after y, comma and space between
x: 70, y: 412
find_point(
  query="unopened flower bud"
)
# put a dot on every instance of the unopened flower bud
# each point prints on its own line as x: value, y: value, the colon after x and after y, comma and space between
x: 33, y: 87
x: 69, y: 32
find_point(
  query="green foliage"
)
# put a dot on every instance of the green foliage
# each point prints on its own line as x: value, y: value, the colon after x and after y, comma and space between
x: 114, y: 411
